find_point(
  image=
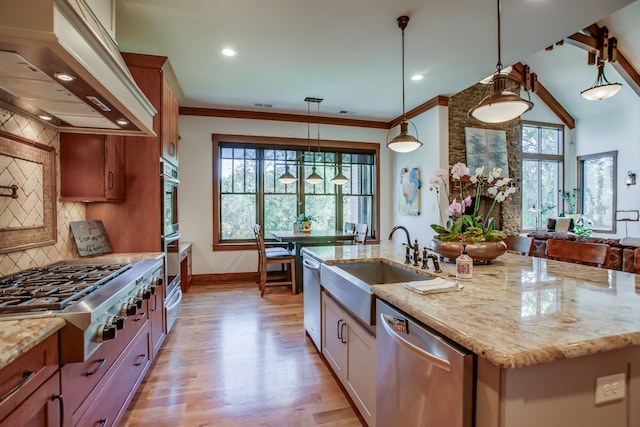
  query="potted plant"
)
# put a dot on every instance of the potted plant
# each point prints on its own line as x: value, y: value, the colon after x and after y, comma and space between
x: 304, y: 222
x: 465, y: 225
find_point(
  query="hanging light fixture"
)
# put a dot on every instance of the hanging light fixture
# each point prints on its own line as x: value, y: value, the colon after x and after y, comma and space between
x: 404, y: 142
x: 287, y: 177
x: 339, y: 179
x: 501, y: 105
x: 313, y: 178
x: 601, y: 88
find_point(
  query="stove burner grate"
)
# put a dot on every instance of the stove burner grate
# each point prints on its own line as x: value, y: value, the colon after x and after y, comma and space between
x: 53, y: 287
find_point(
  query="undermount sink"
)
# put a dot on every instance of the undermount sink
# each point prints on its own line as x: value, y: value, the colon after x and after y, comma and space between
x: 350, y: 284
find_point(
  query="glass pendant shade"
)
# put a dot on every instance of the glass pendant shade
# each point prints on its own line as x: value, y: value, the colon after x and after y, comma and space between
x: 314, y: 178
x: 287, y: 178
x: 339, y: 179
x: 601, y: 88
x: 404, y: 142
x: 500, y: 106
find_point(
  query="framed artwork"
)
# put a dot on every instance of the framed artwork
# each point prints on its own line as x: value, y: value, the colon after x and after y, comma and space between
x: 28, y: 196
x: 488, y: 148
x: 410, y: 184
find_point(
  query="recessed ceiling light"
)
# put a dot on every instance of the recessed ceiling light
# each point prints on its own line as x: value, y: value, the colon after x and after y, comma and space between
x: 229, y: 52
x: 45, y: 117
x: 122, y: 122
x: 417, y: 77
x: 64, y: 77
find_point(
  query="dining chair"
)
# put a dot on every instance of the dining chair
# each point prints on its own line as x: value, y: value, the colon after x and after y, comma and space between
x: 594, y: 254
x: 519, y: 244
x: 270, y: 256
x: 349, y: 227
x: 361, y: 234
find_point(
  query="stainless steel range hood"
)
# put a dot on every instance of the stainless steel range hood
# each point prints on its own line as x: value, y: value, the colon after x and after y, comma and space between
x: 43, y: 40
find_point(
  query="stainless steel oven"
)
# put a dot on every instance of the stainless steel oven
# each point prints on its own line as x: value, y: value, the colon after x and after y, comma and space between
x: 173, y: 296
x: 169, y: 185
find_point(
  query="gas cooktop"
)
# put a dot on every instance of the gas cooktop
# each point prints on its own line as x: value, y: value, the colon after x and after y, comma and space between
x: 53, y: 287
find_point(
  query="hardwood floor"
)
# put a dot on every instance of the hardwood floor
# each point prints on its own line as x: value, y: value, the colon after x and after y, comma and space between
x: 235, y: 359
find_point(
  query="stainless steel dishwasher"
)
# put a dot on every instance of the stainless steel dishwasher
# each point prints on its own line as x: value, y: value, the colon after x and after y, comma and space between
x: 422, y: 379
x: 311, y: 298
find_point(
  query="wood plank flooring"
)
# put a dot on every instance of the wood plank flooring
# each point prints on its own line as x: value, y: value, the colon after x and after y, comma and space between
x: 235, y: 359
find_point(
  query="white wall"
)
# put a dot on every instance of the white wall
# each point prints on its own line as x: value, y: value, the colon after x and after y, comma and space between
x: 618, y: 130
x: 433, y: 131
x: 196, y: 190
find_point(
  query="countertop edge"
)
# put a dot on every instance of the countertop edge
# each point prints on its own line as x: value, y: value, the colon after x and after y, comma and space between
x: 19, y: 336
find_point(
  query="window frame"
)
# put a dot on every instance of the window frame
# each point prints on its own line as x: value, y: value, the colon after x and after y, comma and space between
x: 614, y: 184
x: 283, y: 143
x: 559, y: 158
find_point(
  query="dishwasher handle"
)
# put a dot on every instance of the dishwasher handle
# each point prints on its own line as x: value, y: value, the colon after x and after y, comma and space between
x: 439, y: 362
x: 311, y: 265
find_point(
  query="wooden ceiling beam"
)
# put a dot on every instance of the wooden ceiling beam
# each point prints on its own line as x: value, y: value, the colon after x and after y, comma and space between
x: 439, y: 100
x: 538, y: 88
x: 280, y: 117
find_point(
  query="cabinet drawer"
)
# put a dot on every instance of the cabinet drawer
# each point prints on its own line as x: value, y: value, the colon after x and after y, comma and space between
x: 42, y: 408
x: 108, y: 402
x: 78, y: 379
x: 25, y: 374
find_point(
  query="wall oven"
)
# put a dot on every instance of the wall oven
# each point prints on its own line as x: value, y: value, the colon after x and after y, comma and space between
x: 169, y: 185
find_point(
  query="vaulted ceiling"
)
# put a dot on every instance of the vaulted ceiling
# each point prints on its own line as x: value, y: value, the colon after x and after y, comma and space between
x: 349, y: 52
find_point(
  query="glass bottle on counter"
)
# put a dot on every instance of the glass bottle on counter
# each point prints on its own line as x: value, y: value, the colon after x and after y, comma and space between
x: 464, y: 265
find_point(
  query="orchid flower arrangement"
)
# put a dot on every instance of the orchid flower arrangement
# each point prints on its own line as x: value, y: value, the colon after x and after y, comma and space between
x: 464, y: 226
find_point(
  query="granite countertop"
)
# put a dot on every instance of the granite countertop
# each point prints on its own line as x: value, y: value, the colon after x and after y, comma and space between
x: 518, y: 311
x: 19, y: 336
x: 120, y: 258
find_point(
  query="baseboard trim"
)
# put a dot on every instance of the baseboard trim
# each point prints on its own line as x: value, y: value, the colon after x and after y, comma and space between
x: 214, y: 279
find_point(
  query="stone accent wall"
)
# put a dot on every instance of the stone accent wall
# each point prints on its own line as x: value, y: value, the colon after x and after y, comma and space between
x: 64, y: 247
x: 459, y: 106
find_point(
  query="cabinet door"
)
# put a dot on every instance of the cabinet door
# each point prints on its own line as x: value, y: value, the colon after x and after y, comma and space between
x: 334, y: 332
x: 42, y: 408
x: 91, y: 167
x: 169, y: 134
x: 156, y: 314
x: 114, y: 167
x: 361, y: 369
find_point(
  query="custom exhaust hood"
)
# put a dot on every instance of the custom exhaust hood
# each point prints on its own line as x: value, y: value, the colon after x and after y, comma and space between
x: 59, y: 64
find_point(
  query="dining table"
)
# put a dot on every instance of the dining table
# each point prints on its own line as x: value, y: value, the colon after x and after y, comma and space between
x: 296, y: 240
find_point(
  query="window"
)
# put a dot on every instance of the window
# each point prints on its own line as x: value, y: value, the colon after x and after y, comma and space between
x: 542, y: 173
x: 246, y: 171
x: 597, y: 177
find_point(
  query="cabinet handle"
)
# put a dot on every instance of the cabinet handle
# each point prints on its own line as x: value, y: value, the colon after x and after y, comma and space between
x: 103, y: 422
x: 339, y: 329
x: 26, y: 376
x: 155, y: 302
x: 140, y: 316
x: 111, y: 180
x: 59, y: 398
x: 101, y: 363
x: 172, y: 149
x: 142, y: 358
x: 342, y: 336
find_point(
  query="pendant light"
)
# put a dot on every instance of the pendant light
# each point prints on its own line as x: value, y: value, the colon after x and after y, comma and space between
x: 501, y: 105
x: 601, y: 88
x: 404, y: 142
x: 339, y: 179
x: 287, y: 177
x: 313, y: 178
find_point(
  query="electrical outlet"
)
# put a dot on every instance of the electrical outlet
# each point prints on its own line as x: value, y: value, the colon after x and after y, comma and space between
x: 609, y: 388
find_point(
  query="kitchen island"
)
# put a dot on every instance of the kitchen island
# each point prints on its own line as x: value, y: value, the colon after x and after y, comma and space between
x: 543, y: 331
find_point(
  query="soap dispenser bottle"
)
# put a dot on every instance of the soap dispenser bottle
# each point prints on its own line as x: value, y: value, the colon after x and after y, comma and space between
x: 464, y: 265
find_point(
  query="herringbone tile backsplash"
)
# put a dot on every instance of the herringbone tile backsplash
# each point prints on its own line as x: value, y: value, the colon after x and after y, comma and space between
x: 29, y: 212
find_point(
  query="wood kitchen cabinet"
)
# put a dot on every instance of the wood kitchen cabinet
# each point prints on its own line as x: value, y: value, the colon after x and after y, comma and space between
x: 91, y: 167
x: 350, y: 350
x: 143, y: 228
x: 30, y: 388
x: 169, y: 119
